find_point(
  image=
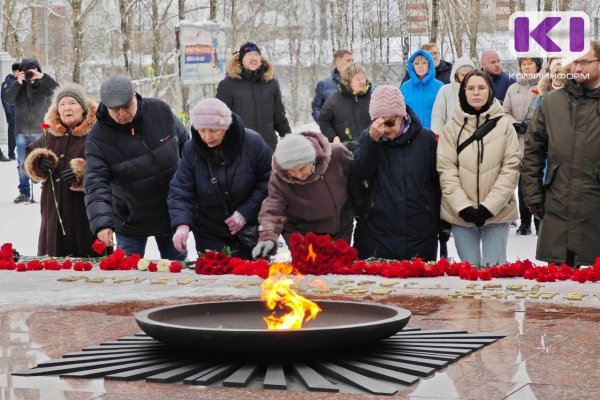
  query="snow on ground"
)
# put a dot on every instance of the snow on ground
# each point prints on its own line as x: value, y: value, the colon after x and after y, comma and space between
x: 20, y: 223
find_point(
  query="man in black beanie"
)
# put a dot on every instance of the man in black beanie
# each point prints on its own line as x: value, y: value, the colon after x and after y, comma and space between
x: 31, y: 94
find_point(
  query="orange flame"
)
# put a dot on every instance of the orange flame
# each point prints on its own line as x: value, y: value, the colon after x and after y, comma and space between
x: 277, y: 292
x: 311, y: 256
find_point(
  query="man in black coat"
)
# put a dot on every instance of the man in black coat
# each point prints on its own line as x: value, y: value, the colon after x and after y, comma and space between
x: 131, y: 155
x: 10, y: 112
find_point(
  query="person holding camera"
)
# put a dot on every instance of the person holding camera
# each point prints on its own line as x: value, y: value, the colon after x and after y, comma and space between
x: 31, y: 94
x: 519, y: 106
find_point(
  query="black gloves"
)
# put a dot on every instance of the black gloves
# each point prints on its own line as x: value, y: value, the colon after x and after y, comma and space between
x: 67, y: 176
x: 537, y: 210
x: 45, y: 165
x: 520, y: 127
x: 475, y: 215
x: 444, y: 231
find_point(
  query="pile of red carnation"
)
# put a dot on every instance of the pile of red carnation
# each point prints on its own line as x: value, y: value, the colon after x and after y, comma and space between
x: 7, y: 262
x: 319, y: 255
x: 217, y: 263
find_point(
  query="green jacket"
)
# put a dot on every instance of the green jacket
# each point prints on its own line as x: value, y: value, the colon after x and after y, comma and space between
x: 566, y: 131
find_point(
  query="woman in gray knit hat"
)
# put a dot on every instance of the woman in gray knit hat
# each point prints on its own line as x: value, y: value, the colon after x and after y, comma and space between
x: 307, y: 191
x: 57, y: 160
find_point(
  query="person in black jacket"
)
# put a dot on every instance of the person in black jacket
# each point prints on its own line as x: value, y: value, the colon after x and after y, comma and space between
x: 131, y: 155
x: 251, y: 91
x: 221, y: 182
x: 396, y: 156
x: 31, y: 94
x: 329, y: 86
x: 346, y: 114
x: 10, y: 112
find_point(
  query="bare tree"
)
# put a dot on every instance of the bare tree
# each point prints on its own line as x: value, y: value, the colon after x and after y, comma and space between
x: 78, y: 17
x: 433, y: 30
x: 126, y: 12
x: 213, y: 10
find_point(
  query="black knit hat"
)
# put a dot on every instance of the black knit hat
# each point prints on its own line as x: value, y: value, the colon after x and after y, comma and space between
x: 462, y: 95
x: 248, y: 47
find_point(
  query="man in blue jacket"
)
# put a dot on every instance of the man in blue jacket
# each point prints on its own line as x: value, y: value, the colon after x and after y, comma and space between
x: 131, y: 155
x: 491, y: 64
x: 329, y: 86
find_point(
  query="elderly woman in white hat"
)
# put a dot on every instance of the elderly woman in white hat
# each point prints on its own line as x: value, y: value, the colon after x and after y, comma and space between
x: 307, y: 191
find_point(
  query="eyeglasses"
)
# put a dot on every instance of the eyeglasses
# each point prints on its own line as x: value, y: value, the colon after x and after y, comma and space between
x: 584, y: 63
x: 472, y: 89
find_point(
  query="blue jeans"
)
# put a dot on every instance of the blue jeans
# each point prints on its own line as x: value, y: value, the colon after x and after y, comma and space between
x: 137, y: 244
x: 23, y: 140
x: 484, y: 245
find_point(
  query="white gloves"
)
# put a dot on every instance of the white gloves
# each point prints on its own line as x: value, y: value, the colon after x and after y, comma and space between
x: 180, y: 238
x: 236, y: 222
x: 263, y: 249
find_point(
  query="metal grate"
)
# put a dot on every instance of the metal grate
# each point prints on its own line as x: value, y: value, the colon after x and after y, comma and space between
x: 381, y: 368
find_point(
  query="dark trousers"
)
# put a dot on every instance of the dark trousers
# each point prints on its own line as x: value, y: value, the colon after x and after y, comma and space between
x: 12, y: 143
x: 524, y: 211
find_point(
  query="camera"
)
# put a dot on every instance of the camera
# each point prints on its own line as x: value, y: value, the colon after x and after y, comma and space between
x: 28, y: 75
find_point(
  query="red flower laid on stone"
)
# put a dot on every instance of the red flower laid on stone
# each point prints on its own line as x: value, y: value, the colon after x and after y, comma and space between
x: 175, y: 266
x: 99, y: 247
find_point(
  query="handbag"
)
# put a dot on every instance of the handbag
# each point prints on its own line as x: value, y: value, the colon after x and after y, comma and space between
x: 248, y: 235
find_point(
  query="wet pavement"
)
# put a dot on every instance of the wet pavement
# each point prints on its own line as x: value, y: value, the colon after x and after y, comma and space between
x: 551, y: 350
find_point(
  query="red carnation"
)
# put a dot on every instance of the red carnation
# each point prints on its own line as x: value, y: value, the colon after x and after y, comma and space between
x: 44, y: 126
x: 99, y: 247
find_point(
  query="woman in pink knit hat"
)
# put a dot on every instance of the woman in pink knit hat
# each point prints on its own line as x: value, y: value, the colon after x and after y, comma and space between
x: 221, y: 182
x: 394, y: 183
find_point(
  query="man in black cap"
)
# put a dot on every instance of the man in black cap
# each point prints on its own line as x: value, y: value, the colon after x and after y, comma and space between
x: 11, y: 113
x: 31, y: 94
x: 131, y: 154
x: 251, y: 91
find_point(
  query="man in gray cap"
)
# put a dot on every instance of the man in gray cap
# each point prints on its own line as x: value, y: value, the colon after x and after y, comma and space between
x: 132, y: 152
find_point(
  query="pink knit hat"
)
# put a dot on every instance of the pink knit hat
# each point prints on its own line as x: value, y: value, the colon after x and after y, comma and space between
x: 211, y: 114
x: 387, y: 101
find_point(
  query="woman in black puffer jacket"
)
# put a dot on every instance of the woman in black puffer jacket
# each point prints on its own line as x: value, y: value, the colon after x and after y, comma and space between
x: 251, y: 91
x: 241, y: 163
x: 346, y: 114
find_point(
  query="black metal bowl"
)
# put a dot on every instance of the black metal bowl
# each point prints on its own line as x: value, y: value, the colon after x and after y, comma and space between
x: 238, y: 326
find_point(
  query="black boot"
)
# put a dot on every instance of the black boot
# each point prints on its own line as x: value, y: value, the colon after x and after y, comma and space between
x: 524, y: 230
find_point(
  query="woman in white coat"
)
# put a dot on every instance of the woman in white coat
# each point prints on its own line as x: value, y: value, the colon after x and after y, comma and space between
x: 478, y: 179
x: 447, y: 98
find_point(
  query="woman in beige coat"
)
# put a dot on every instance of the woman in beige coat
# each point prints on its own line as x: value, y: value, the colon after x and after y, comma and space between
x: 478, y: 183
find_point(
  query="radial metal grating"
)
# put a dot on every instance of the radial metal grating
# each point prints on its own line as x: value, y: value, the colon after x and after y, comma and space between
x: 380, y: 368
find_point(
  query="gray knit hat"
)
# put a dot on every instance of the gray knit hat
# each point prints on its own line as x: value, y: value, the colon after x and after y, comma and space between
x: 294, y: 150
x: 117, y: 91
x: 70, y: 89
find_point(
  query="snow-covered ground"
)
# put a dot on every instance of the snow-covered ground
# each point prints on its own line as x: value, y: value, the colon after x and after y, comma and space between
x: 20, y: 223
